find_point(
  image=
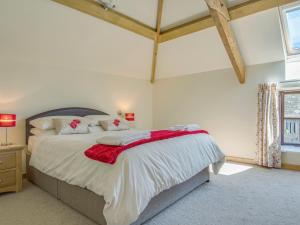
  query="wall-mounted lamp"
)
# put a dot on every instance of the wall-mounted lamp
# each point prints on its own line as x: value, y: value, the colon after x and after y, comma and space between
x: 129, y: 116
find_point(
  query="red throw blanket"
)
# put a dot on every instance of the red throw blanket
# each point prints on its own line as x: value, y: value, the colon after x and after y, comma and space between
x: 110, y: 153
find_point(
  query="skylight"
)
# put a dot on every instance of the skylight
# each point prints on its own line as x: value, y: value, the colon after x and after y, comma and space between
x: 293, y: 19
x: 290, y: 21
x: 291, y: 28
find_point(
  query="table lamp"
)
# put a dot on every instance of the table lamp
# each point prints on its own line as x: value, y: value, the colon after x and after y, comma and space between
x: 7, y: 120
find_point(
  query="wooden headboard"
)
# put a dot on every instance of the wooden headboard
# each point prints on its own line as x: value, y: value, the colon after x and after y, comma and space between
x: 73, y: 111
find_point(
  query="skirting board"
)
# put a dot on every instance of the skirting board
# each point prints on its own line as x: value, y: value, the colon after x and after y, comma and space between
x: 252, y: 162
x: 290, y: 167
x: 240, y: 160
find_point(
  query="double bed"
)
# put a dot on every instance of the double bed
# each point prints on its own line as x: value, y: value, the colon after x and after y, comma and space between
x: 144, y: 180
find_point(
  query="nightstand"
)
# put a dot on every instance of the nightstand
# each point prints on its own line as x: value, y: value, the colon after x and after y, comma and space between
x: 11, y: 168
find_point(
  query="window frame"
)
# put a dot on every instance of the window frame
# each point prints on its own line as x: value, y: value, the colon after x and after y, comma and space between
x: 284, y: 24
x: 282, y: 107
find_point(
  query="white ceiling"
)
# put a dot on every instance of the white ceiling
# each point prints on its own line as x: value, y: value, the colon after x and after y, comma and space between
x: 258, y: 37
x: 142, y: 10
x: 174, y: 11
x: 177, y: 11
x: 198, y: 52
x: 50, y: 33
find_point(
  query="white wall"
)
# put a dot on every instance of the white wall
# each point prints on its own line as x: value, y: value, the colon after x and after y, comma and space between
x: 27, y: 89
x: 46, y: 32
x: 53, y: 56
x: 218, y: 103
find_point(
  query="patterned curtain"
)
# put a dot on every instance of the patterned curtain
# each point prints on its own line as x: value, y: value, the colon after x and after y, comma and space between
x: 268, y: 133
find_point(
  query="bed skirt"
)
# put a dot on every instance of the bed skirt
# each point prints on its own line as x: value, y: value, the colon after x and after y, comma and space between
x: 91, y: 205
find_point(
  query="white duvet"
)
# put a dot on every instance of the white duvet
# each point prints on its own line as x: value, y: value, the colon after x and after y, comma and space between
x: 138, y: 175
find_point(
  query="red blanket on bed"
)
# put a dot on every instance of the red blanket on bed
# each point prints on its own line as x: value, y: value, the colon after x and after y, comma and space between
x: 109, y: 153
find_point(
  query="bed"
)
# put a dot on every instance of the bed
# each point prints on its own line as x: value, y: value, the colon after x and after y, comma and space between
x: 89, y: 202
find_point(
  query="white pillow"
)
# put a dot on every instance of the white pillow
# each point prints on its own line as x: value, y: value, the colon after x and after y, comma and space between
x: 38, y: 132
x: 71, y: 126
x: 95, y: 129
x: 114, y: 124
x: 96, y: 119
x: 46, y: 123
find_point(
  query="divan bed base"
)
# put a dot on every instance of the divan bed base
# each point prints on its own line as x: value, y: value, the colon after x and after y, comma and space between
x: 91, y: 205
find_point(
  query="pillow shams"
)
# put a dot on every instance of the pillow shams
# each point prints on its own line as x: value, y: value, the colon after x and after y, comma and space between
x: 114, y: 125
x: 46, y: 123
x: 38, y: 132
x: 96, y: 119
x: 71, y: 126
x: 95, y: 129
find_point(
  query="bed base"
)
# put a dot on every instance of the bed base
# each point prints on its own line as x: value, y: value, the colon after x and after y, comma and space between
x: 87, y: 202
x: 91, y: 205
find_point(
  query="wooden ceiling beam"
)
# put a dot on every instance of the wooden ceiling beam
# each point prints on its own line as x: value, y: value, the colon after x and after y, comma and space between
x: 219, y: 6
x: 155, y: 47
x: 236, y: 12
x: 93, y: 8
x: 219, y: 13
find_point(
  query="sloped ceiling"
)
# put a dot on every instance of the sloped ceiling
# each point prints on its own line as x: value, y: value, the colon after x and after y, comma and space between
x: 258, y: 37
x: 174, y: 11
x: 45, y: 32
x: 177, y: 11
x: 141, y: 10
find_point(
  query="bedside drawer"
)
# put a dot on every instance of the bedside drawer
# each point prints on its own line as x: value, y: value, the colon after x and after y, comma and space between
x: 7, y: 161
x: 7, y: 178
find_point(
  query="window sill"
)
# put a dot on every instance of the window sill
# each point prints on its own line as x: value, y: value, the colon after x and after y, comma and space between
x: 290, y: 148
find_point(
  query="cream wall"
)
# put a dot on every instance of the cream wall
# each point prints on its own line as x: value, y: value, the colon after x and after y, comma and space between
x: 53, y: 56
x: 218, y: 103
x: 27, y: 89
x: 46, y: 32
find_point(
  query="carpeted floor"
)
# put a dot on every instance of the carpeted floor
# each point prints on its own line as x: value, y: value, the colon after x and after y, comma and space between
x: 240, y: 195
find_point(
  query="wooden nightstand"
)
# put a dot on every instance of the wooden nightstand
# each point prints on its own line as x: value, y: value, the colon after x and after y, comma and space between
x: 11, y: 168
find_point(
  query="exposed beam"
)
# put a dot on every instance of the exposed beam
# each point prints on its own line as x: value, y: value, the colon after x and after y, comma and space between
x: 219, y: 13
x: 219, y: 6
x: 155, y: 47
x: 95, y: 9
x: 236, y: 12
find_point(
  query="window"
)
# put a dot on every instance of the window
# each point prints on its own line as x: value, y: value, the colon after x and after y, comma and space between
x: 290, y: 24
x: 290, y: 118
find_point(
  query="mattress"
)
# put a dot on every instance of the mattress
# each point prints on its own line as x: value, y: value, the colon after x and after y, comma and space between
x: 139, y: 174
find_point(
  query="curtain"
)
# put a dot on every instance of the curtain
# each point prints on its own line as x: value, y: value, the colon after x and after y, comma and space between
x: 268, y: 129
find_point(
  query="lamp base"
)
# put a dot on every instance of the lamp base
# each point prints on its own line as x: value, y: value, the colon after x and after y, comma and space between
x: 6, y: 142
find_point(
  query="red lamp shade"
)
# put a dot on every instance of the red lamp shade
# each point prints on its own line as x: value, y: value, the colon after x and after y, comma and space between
x: 129, y: 116
x: 7, y: 120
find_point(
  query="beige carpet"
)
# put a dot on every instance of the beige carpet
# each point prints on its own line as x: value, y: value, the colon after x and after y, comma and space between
x: 240, y: 195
